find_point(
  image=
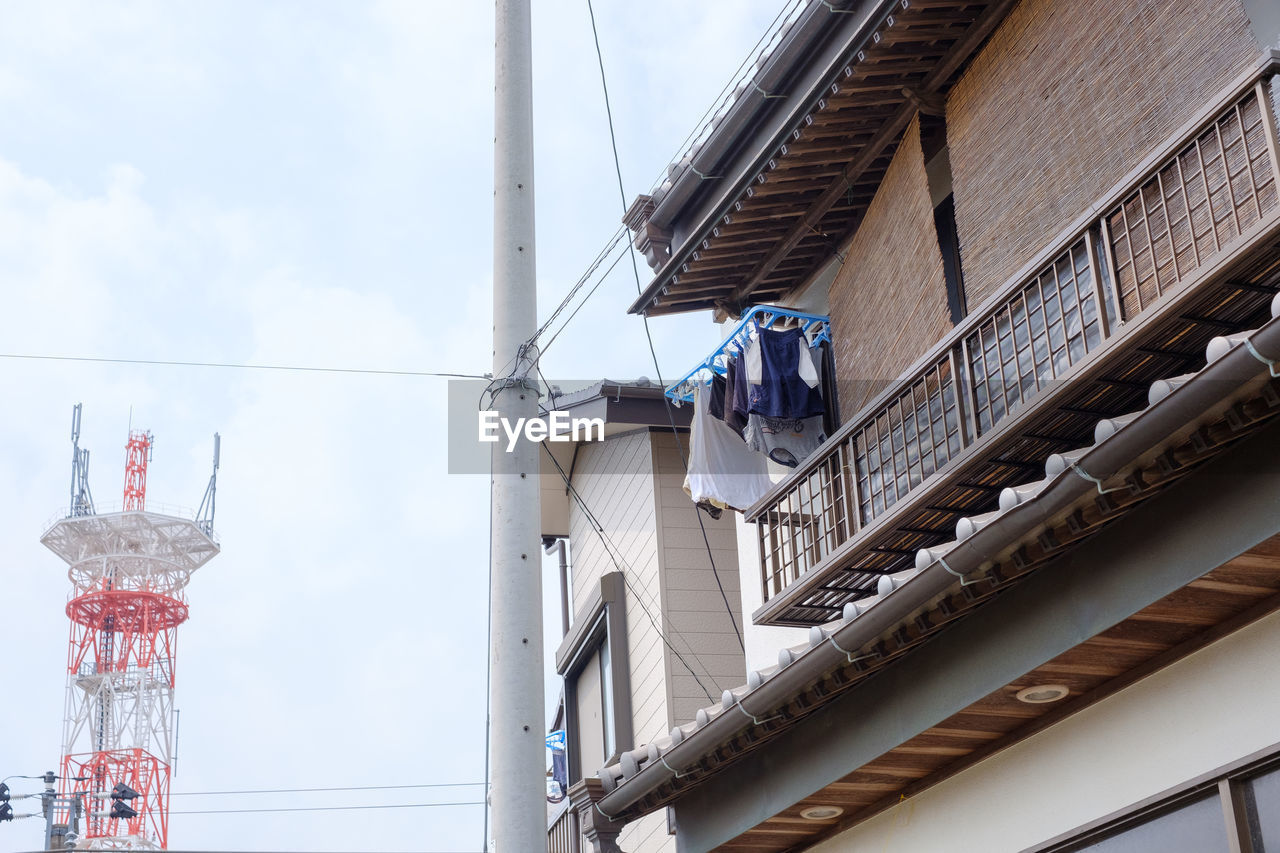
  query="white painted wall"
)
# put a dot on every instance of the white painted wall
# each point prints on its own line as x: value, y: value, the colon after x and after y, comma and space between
x: 762, y: 641
x: 1208, y: 710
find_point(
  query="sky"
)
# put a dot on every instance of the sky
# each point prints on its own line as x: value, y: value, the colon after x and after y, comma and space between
x: 304, y: 183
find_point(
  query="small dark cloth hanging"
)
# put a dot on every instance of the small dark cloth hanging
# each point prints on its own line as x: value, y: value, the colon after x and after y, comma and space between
x: 715, y: 400
x: 735, y: 400
x: 782, y: 393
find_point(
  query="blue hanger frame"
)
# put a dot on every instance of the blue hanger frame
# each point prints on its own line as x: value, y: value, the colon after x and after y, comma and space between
x: 759, y: 317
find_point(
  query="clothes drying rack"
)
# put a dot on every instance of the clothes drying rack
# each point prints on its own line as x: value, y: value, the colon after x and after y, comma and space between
x: 815, y: 327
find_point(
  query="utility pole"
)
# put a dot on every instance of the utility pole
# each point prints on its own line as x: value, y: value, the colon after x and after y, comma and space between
x: 517, y: 743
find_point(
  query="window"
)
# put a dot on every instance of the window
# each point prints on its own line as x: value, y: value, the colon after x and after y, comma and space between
x: 1195, y: 828
x: 593, y: 661
x: 1236, y: 808
x: 592, y: 737
x: 937, y: 158
x: 1035, y: 337
x: 1262, y: 809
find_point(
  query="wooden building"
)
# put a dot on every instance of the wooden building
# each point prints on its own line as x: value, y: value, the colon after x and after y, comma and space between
x: 1036, y: 569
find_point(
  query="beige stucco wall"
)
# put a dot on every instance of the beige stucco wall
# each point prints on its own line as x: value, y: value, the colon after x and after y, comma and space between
x: 1214, y: 707
x: 633, y: 484
x: 615, y: 479
x: 700, y: 623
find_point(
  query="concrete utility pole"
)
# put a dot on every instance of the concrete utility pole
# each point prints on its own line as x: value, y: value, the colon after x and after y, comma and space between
x: 516, y: 743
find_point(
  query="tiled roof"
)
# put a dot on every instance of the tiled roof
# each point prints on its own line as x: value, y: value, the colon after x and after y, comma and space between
x: 1187, y: 420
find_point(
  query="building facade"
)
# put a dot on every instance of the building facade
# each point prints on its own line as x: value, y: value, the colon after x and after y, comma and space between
x: 1026, y: 588
x: 653, y: 632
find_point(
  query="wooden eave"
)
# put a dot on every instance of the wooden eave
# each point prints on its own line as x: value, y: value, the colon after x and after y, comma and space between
x: 1212, y: 606
x: 1221, y: 602
x: 790, y: 211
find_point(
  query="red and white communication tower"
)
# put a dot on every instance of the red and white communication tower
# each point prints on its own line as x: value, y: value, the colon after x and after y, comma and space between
x: 129, y: 570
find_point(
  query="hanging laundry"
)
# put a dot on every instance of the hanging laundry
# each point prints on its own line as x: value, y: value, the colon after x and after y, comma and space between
x: 723, y: 471
x: 787, y: 441
x: 715, y: 397
x: 782, y: 377
x: 735, y: 396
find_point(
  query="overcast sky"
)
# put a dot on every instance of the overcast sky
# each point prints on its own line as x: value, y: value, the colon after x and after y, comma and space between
x: 307, y: 184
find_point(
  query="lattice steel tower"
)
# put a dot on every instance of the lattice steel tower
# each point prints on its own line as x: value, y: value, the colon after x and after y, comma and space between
x: 129, y: 570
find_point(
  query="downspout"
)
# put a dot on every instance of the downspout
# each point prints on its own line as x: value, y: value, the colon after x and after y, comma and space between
x: 562, y: 544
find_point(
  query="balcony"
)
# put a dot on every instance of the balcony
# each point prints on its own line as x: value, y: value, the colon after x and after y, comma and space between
x: 563, y: 835
x: 1186, y: 248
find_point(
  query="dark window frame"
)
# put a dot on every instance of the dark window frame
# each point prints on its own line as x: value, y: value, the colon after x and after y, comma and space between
x: 944, y: 220
x: 602, y: 622
x: 1226, y: 783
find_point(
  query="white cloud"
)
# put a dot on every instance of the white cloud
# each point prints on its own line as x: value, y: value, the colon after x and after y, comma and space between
x: 301, y: 183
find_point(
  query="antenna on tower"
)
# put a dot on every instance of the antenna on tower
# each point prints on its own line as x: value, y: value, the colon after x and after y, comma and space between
x: 81, y: 499
x: 204, y: 515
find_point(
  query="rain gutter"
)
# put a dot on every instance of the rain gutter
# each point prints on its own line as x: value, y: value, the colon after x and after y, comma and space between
x: 1234, y: 362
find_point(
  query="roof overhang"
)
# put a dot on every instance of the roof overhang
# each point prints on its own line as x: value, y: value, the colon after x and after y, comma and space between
x: 1217, y: 427
x: 784, y: 178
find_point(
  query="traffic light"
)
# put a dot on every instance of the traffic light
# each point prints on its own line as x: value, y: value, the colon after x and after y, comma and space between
x: 119, y: 808
x: 6, y: 810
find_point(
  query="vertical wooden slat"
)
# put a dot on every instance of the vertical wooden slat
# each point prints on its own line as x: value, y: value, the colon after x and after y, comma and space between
x: 1021, y: 299
x: 1248, y: 160
x: 1269, y: 127
x: 1226, y: 175
x: 1112, y: 278
x: 849, y: 449
x: 1208, y: 197
x: 1233, y: 813
x: 761, y: 526
x: 1133, y: 257
x: 964, y: 408
x: 1095, y: 270
x: 1186, y: 202
x: 1168, y: 234
x: 1151, y: 246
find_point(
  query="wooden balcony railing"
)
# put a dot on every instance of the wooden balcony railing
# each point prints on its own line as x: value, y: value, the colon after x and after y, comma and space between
x: 1123, y: 298
x: 563, y: 835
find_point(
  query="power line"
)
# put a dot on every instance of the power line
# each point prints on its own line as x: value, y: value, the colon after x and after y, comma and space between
x: 618, y: 237
x: 488, y: 676
x: 333, y: 808
x: 754, y: 55
x: 590, y: 293
x: 622, y: 194
x: 622, y: 567
x: 310, y: 790
x: 235, y: 366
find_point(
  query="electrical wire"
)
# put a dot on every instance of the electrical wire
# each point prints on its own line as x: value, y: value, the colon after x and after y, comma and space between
x: 311, y: 790
x: 622, y: 567
x: 753, y: 56
x: 608, y: 542
x: 331, y: 808
x: 684, y: 460
x: 590, y: 293
x: 488, y: 676
x: 235, y: 366
x: 618, y: 237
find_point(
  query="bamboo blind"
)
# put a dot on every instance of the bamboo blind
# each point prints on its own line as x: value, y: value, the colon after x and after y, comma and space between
x: 889, y: 299
x: 1063, y: 101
